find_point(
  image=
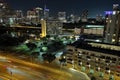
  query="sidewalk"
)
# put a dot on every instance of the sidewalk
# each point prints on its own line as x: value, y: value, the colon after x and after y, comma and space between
x: 96, y: 74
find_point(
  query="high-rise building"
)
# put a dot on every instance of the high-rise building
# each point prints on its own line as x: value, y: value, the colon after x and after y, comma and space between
x: 117, y: 36
x: 46, y: 13
x: 39, y: 13
x: 19, y: 15
x: 43, y: 24
x: 62, y: 16
x: 54, y: 27
x: 31, y: 16
x: 35, y: 15
x: 71, y: 18
x: 99, y: 18
x: 84, y: 15
x: 5, y: 12
x: 115, y: 6
x: 112, y: 29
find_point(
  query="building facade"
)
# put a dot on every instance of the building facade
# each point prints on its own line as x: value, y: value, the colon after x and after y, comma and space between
x: 35, y: 15
x: 62, y: 16
x: 19, y: 16
x: 112, y: 29
x: 95, y: 60
x: 46, y: 14
x: 6, y: 14
x: 54, y: 27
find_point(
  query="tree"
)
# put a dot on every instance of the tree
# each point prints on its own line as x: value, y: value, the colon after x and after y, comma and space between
x: 31, y: 45
x: 48, y: 57
x: 55, y: 46
x: 47, y: 36
x: 35, y: 54
x: 93, y: 78
x: 8, y: 40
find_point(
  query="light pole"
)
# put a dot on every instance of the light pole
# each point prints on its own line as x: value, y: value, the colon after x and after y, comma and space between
x: 10, y: 71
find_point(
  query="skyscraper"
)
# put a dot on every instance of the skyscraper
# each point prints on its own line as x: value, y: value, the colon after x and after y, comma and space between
x: 46, y: 13
x: 84, y: 15
x: 5, y: 12
x: 62, y: 16
x: 39, y: 13
x: 35, y: 14
x: 19, y: 15
x: 43, y: 24
x: 112, y: 29
x: 31, y: 16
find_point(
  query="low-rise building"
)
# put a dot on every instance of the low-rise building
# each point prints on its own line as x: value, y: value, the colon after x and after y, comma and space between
x: 94, y: 57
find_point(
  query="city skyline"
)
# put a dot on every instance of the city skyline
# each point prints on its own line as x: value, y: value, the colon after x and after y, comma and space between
x: 71, y: 7
x: 73, y: 43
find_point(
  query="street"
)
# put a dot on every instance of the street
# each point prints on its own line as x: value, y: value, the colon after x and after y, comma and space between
x: 18, y: 69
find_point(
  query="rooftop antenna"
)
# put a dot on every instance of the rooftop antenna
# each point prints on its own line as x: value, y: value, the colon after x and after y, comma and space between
x: 44, y: 4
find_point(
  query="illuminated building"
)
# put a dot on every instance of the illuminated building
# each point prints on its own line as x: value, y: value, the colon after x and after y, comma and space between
x: 39, y: 13
x: 62, y: 16
x: 94, y: 29
x: 96, y: 56
x: 71, y: 19
x: 99, y: 18
x: 5, y: 12
x: 35, y: 15
x: 31, y: 15
x: 112, y: 29
x: 19, y: 15
x: 43, y: 24
x: 77, y: 18
x: 84, y: 28
x: 46, y: 13
x: 84, y: 16
x: 54, y: 27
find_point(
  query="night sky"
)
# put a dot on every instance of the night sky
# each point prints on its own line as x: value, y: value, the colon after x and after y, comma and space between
x: 70, y: 6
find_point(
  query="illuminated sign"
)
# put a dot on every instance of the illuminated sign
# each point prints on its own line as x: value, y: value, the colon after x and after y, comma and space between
x: 46, y: 9
x: 109, y: 12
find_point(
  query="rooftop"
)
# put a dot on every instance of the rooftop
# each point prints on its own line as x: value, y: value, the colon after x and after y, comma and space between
x: 86, y: 46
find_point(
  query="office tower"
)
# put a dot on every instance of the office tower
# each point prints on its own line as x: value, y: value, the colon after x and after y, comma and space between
x: 19, y: 15
x: 84, y: 15
x: 46, y: 13
x: 71, y: 18
x: 5, y: 12
x: 117, y: 36
x: 39, y: 13
x: 43, y: 24
x: 77, y: 18
x: 112, y: 26
x: 62, y: 16
x: 35, y: 14
x: 99, y: 17
x: 54, y: 27
x: 31, y: 16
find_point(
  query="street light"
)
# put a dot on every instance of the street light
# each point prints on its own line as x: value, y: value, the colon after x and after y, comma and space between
x: 10, y: 71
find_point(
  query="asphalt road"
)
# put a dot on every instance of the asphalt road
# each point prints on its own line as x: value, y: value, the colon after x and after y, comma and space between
x: 14, y: 68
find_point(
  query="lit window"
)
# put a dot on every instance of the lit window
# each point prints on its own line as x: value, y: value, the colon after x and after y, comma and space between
x: 113, y: 40
x: 114, y: 12
x: 110, y: 21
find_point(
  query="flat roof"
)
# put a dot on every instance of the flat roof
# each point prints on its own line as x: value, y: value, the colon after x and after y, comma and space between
x: 86, y: 46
